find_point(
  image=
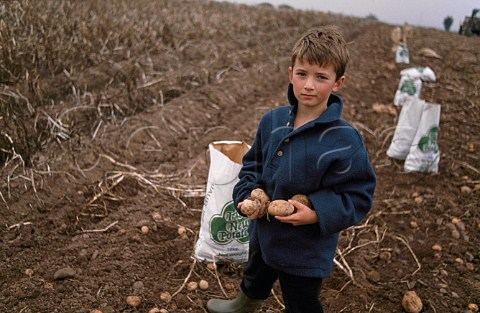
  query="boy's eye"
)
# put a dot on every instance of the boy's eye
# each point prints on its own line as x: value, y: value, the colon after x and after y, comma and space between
x: 300, y: 74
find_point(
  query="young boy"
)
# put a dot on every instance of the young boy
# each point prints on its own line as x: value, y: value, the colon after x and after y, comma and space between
x: 305, y: 148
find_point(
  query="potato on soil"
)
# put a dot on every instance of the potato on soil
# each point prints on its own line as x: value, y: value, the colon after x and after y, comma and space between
x: 134, y: 301
x: 192, y: 286
x: 211, y: 266
x: 303, y: 199
x: 411, y: 302
x: 203, y: 284
x: 165, y: 296
x: 250, y: 205
x: 281, y: 208
x: 181, y: 231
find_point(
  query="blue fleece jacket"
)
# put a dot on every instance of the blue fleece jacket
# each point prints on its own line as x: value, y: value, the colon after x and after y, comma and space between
x: 324, y: 159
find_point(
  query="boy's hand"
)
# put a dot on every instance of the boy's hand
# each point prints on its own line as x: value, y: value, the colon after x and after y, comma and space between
x: 303, y: 216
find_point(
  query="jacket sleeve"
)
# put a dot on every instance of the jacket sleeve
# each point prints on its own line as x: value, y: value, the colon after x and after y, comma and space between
x: 251, y: 172
x: 347, y: 195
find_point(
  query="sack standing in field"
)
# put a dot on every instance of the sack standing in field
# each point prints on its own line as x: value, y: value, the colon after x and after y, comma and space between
x: 424, y: 154
x: 223, y: 232
x: 402, y: 55
x: 415, y: 137
x: 407, y: 125
x: 410, y: 84
x: 399, y: 37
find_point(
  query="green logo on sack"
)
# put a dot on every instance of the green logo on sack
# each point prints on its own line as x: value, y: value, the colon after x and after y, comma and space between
x: 408, y: 87
x: 428, y: 143
x: 229, y: 226
x: 403, y: 52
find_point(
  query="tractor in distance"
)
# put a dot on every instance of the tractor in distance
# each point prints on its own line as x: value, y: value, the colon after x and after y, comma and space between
x: 471, y: 24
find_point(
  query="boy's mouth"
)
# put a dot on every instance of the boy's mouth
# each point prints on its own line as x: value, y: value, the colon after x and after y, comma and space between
x: 306, y: 96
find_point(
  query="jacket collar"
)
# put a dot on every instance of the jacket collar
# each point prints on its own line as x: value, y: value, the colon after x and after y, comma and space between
x: 334, y: 107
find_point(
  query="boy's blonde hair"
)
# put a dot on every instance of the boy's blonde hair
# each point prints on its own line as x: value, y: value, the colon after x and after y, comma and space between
x: 322, y: 45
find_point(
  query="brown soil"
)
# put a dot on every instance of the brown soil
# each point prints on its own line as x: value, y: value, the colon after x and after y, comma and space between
x: 107, y: 112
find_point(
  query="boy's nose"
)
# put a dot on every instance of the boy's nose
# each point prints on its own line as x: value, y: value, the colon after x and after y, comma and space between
x: 308, y: 83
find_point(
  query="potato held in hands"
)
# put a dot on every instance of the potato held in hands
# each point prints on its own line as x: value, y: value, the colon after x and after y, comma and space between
x: 303, y: 199
x: 250, y: 205
x: 260, y: 195
x: 281, y: 208
x: 285, y: 208
x: 258, y: 201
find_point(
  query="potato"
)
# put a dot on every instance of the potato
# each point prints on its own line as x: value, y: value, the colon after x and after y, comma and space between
x: 181, y: 231
x: 134, y: 301
x: 303, y: 199
x: 229, y: 286
x: 250, y: 205
x: 203, y: 284
x: 473, y: 307
x: 413, y: 224
x: 280, y: 208
x: 165, y: 296
x: 465, y: 190
x: 211, y: 266
x: 260, y: 195
x: 157, y: 217
x: 411, y: 302
x: 192, y: 286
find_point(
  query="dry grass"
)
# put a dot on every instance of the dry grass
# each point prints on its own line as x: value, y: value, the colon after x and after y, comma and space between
x: 99, y: 63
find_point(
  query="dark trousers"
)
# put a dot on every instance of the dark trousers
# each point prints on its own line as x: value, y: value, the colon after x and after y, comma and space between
x: 300, y: 294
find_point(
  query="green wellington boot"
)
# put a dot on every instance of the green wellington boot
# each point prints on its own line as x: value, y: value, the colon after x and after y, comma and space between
x: 241, y: 304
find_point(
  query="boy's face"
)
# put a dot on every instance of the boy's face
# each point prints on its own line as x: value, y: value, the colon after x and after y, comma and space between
x: 313, y: 84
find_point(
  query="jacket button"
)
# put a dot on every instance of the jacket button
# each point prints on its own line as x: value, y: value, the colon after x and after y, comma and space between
x: 280, y: 153
x: 288, y: 124
x: 287, y: 140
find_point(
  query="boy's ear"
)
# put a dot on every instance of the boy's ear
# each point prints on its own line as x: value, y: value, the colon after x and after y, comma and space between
x: 290, y: 73
x: 339, y: 84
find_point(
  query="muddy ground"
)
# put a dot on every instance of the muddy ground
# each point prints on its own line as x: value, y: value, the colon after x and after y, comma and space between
x: 107, y: 112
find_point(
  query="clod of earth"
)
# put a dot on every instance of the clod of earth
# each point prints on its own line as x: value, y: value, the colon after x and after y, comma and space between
x: 63, y: 273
